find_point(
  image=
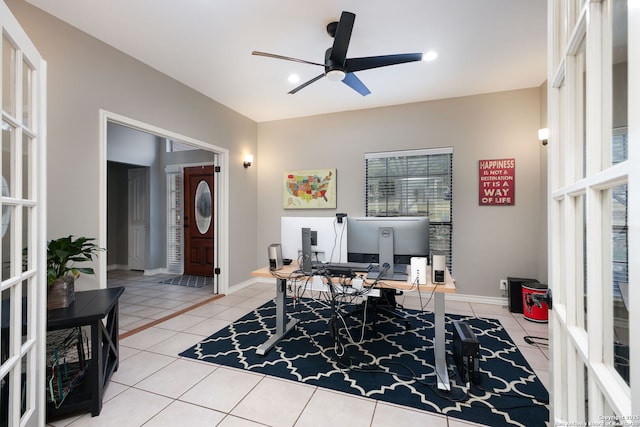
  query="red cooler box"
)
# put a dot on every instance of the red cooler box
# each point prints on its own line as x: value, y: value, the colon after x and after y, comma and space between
x: 534, y: 307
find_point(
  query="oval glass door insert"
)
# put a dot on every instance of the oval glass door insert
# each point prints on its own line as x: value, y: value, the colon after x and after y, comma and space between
x: 203, y: 207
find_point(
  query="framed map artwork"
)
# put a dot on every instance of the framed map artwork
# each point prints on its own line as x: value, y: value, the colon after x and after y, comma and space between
x: 309, y: 189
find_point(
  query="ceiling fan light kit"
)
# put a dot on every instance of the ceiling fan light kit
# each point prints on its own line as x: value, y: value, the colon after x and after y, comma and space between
x: 337, y: 67
x: 336, y: 75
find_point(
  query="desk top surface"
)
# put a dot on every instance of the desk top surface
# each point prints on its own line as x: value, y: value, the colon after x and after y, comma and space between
x: 87, y: 307
x: 448, y: 286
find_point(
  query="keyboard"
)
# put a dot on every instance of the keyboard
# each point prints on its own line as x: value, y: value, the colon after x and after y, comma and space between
x: 344, y: 269
x: 356, y: 266
x: 397, y: 268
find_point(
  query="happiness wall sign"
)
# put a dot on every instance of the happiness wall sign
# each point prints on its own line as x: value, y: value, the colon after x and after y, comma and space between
x: 497, y: 182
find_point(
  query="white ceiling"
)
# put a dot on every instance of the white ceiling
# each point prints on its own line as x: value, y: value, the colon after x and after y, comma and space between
x: 483, y: 46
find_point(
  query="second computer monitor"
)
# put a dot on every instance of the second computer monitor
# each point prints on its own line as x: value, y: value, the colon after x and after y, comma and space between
x: 394, y: 239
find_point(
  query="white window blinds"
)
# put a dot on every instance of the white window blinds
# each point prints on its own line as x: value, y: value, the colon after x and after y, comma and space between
x: 414, y: 183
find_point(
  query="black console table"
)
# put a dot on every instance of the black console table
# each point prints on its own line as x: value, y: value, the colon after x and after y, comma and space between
x: 89, y: 309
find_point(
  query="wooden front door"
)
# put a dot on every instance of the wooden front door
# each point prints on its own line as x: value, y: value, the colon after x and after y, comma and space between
x: 199, y: 221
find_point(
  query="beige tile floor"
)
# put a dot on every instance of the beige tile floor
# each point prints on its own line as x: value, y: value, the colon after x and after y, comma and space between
x: 155, y: 387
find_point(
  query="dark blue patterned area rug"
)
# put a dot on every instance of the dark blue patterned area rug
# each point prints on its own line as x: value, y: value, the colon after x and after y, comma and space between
x: 389, y: 364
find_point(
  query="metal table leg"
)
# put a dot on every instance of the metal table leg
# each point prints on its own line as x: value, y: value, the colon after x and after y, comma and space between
x: 281, y: 318
x: 439, y: 348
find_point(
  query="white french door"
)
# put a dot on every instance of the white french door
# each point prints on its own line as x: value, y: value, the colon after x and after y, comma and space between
x: 23, y: 248
x: 594, y: 215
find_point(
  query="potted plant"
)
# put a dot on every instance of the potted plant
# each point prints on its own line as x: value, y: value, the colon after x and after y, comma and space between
x: 62, y: 255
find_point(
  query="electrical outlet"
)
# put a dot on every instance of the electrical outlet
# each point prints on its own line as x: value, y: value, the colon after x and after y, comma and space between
x: 503, y: 284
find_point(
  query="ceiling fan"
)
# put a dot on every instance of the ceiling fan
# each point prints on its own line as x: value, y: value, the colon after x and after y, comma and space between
x: 337, y: 66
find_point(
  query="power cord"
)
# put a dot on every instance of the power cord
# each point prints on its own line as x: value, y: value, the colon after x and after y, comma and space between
x: 532, y: 341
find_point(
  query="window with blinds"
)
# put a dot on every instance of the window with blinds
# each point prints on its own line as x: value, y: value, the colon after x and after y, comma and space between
x: 414, y: 183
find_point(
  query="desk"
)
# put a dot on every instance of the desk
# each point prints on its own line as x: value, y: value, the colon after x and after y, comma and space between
x: 88, y: 309
x: 439, y: 345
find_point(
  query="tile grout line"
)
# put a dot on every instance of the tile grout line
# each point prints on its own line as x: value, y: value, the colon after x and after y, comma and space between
x: 168, y: 317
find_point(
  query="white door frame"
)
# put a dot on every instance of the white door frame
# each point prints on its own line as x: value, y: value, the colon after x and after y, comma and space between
x: 222, y: 222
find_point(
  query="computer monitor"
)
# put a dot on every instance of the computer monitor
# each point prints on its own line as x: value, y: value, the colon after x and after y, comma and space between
x: 390, y: 242
x: 328, y: 238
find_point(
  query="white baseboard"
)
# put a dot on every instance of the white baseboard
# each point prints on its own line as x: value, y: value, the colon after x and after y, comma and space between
x: 248, y: 283
x: 155, y: 271
x: 478, y: 299
x: 151, y: 272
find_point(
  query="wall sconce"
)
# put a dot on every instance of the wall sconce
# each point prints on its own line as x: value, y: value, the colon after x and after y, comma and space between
x: 543, y: 135
x: 248, y: 159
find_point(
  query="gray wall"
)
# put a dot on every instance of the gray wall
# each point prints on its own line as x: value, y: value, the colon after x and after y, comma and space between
x: 127, y: 145
x: 84, y: 76
x: 490, y: 242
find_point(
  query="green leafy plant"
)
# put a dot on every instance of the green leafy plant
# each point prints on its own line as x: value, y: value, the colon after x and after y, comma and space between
x: 63, y: 253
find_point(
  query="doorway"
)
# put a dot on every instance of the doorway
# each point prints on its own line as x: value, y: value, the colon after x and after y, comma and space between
x: 199, y: 217
x: 158, y: 210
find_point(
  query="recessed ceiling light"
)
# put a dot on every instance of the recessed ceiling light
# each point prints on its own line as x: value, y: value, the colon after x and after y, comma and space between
x: 430, y: 55
x: 294, y: 78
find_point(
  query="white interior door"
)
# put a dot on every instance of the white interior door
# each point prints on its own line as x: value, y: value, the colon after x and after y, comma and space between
x: 138, y: 201
x: 594, y: 164
x: 23, y: 249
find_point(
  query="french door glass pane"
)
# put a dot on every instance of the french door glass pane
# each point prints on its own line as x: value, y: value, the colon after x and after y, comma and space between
x: 581, y: 112
x: 4, y: 415
x: 26, y: 94
x: 26, y: 310
x: 619, y: 145
x: 559, y: 165
x: 8, y: 77
x: 8, y: 213
x: 27, y: 144
x: 619, y: 80
x: 620, y: 279
x: 580, y: 232
x: 5, y: 333
x: 586, y: 392
x: 27, y: 250
x: 8, y: 135
x: 561, y: 292
x: 26, y: 370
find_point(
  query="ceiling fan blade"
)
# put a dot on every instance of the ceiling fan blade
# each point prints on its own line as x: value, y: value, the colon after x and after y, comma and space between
x: 286, y: 58
x: 305, y: 84
x: 356, y: 84
x: 369, y: 62
x: 342, y: 38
